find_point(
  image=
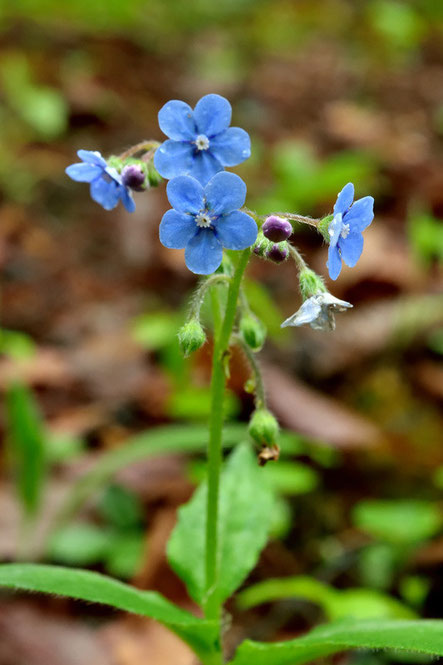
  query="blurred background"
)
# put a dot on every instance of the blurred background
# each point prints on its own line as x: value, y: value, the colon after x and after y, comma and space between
x: 330, y: 91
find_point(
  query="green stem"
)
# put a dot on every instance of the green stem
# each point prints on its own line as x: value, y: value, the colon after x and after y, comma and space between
x: 299, y: 260
x: 218, y: 383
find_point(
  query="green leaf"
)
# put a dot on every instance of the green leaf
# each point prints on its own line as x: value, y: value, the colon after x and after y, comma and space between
x: 84, y: 585
x: 291, y: 477
x: 16, y: 345
x: 121, y: 508
x: 27, y: 443
x: 422, y: 636
x: 401, y: 522
x: 81, y: 544
x: 358, y: 603
x: 245, y: 517
x: 125, y: 556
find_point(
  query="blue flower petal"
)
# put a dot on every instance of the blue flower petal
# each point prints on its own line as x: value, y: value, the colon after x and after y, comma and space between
x: 232, y: 146
x: 344, y: 199
x: 334, y: 229
x: 107, y: 194
x: 203, y: 253
x: 84, y: 172
x: 334, y: 262
x: 92, y: 157
x: 236, y: 230
x: 176, y: 120
x: 177, y: 229
x: 173, y: 158
x: 185, y: 194
x: 114, y: 174
x: 127, y: 200
x: 351, y: 248
x: 212, y: 115
x: 204, y: 166
x: 225, y: 192
x: 361, y: 214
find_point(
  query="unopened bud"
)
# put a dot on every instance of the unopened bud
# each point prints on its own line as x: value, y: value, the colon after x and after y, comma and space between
x: 277, y: 253
x: 253, y: 331
x: 277, y: 229
x: 310, y: 283
x: 191, y: 337
x: 263, y: 427
x: 134, y: 177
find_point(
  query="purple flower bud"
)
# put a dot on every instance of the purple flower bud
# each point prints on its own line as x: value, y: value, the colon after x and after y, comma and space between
x: 277, y: 229
x: 133, y: 177
x: 277, y: 253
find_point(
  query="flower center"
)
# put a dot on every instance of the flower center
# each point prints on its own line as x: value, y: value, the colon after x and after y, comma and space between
x: 344, y: 231
x: 203, y: 220
x: 202, y: 142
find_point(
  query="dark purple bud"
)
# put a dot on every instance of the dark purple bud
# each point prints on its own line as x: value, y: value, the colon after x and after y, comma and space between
x: 277, y: 229
x: 277, y: 253
x: 133, y: 177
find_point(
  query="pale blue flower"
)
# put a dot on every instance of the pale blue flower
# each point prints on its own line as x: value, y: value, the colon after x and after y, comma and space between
x: 345, y: 230
x: 201, y: 143
x: 204, y: 220
x: 318, y: 311
x: 106, y: 188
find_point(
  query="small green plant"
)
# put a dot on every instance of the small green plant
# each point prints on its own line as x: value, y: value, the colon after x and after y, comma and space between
x: 222, y: 530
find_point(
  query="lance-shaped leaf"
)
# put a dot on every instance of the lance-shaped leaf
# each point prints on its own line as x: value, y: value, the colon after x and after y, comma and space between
x: 245, y: 513
x: 26, y: 437
x: 420, y: 636
x: 201, y: 635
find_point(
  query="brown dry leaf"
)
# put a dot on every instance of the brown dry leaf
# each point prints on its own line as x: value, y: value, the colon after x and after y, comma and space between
x: 304, y: 410
x: 136, y: 641
x: 48, y: 368
x: 30, y: 636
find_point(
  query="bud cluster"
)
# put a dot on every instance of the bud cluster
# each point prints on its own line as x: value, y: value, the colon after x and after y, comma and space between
x: 271, y: 242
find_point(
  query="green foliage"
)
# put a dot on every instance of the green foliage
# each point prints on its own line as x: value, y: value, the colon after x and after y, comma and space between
x: 291, y: 478
x: 41, y: 108
x: 95, y: 588
x: 80, y: 544
x: 403, y: 522
x: 303, y: 181
x: 421, y: 636
x: 426, y: 237
x: 245, y: 514
x: 16, y: 345
x: 25, y: 435
x: 194, y: 403
x: 120, y: 507
x: 264, y: 306
x: 119, y: 551
x: 358, y: 603
x: 159, y: 441
x: 155, y: 330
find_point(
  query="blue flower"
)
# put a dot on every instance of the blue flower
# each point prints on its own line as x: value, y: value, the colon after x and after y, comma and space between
x: 201, y: 143
x: 107, y: 188
x: 345, y: 230
x: 206, y: 219
x: 318, y: 311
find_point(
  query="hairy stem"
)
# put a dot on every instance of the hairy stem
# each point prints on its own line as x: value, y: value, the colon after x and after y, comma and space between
x: 143, y: 146
x: 218, y: 382
x: 299, y: 260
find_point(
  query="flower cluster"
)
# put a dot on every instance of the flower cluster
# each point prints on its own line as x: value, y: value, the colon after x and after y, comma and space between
x: 205, y: 217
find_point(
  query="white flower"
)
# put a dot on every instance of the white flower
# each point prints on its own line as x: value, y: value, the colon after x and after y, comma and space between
x: 318, y: 311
